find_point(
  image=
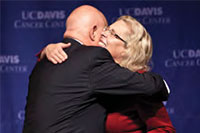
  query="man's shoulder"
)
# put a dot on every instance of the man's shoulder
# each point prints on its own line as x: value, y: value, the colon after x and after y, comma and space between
x: 77, y: 46
x: 93, y: 51
x: 95, y: 56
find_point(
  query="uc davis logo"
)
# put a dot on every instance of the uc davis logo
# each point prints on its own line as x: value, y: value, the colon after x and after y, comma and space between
x: 11, y: 64
x: 37, y: 19
x: 146, y: 15
x: 183, y: 58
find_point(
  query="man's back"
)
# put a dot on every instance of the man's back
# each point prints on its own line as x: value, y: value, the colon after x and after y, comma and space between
x: 64, y: 98
x: 60, y: 99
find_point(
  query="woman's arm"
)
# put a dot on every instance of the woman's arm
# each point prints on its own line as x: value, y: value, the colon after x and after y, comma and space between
x: 155, y: 116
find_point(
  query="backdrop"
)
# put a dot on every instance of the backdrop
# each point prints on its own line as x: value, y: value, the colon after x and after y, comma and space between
x: 27, y: 26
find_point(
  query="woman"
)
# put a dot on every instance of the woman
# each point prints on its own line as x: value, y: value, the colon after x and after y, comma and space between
x: 130, y: 45
x: 145, y: 115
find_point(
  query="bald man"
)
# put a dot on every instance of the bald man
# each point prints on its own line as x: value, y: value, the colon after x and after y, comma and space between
x: 70, y: 97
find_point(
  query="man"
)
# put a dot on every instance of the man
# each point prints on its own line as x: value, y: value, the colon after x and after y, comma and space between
x: 68, y: 97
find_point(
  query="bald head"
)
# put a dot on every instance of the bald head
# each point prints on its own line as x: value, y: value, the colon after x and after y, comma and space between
x: 85, y: 23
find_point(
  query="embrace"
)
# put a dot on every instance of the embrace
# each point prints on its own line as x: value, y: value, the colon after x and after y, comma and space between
x: 97, y: 81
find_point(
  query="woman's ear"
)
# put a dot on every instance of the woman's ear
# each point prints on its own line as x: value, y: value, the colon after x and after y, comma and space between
x: 93, y: 33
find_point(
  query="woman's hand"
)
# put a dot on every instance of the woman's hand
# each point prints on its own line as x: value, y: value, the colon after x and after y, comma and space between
x: 55, y: 52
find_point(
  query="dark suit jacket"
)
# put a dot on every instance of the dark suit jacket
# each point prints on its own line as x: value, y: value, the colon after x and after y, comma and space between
x: 63, y: 98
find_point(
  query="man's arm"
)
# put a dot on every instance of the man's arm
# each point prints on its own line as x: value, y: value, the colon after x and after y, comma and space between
x: 107, y: 77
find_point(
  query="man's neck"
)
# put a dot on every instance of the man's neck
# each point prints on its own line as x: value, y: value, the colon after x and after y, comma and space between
x: 76, y: 36
x: 77, y: 40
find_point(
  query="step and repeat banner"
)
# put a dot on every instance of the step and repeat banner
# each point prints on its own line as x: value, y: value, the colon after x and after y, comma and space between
x: 28, y: 26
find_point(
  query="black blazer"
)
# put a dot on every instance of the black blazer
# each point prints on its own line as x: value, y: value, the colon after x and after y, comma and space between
x: 64, y: 98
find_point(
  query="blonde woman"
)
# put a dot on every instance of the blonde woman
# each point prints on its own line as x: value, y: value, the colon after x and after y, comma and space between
x: 131, y: 47
x: 134, y: 52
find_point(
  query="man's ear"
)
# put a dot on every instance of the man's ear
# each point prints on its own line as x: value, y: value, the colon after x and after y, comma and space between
x: 93, y: 33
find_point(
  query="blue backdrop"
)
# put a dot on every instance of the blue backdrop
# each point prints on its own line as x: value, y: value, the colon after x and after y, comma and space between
x: 26, y: 27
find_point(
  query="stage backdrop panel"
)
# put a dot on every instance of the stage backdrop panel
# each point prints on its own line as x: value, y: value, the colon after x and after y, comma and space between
x: 27, y: 26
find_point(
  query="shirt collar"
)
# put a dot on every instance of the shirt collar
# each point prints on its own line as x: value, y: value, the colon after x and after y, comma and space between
x: 78, y: 41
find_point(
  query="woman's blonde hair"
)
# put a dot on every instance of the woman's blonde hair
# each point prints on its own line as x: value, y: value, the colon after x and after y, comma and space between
x: 139, y: 47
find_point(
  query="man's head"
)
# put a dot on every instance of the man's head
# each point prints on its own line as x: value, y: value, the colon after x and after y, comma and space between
x: 85, y: 23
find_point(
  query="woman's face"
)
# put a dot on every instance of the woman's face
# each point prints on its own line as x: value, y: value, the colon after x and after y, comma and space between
x: 113, y: 39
